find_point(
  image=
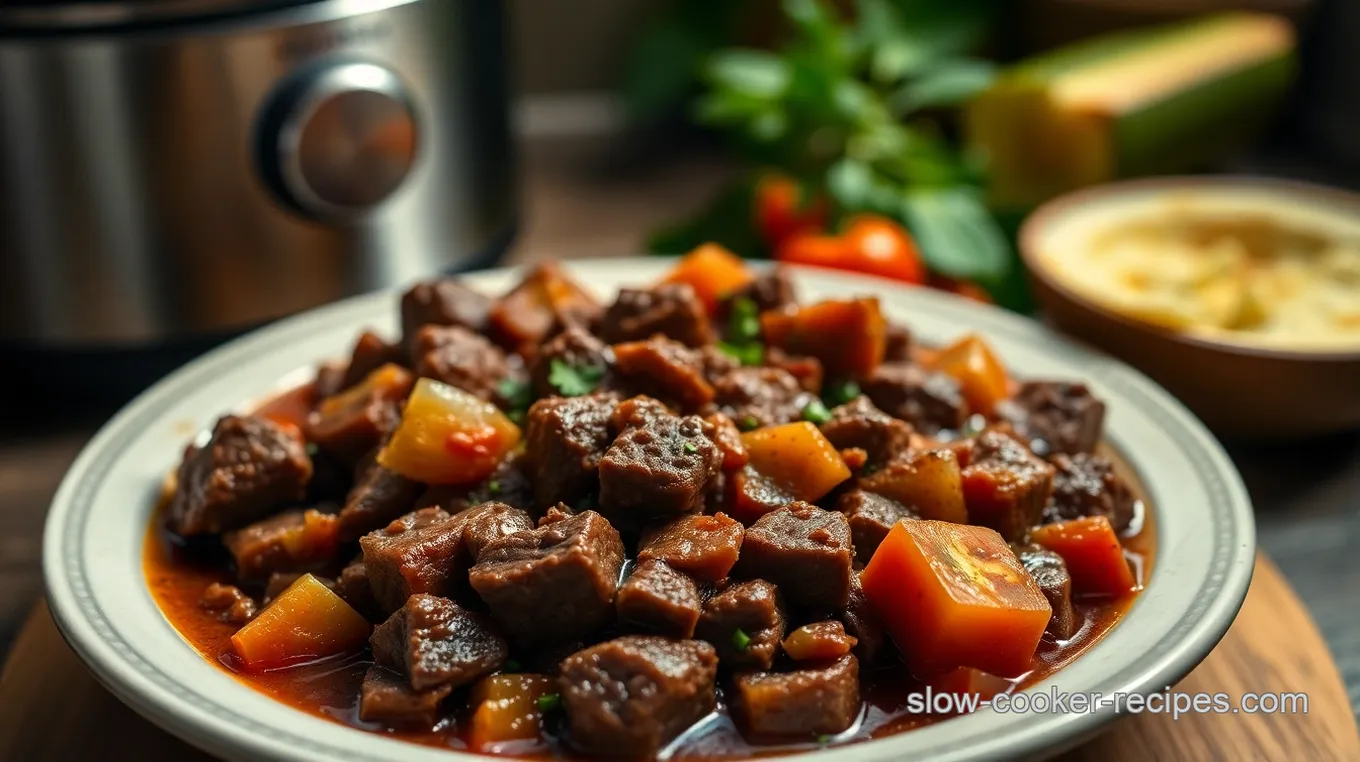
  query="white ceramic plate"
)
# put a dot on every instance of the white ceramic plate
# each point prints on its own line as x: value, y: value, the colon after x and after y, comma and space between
x: 93, y: 545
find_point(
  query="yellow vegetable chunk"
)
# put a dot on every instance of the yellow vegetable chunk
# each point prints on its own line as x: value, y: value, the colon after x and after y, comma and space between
x: 981, y: 376
x: 507, y: 712
x: 308, y: 621
x: 447, y: 436
x: 797, y: 458
x: 931, y: 482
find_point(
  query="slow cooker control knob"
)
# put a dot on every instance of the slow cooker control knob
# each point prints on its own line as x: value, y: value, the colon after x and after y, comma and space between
x: 338, y: 141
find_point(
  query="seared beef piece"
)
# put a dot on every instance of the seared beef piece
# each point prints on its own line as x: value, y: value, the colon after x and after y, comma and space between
x: 863, y: 622
x: 657, y: 470
x: 727, y: 437
x: 810, y: 701
x: 1065, y: 416
x: 808, y: 370
x: 330, y: 379
x: 388, y: 699
x: 1048, y: 569
x: 250, y: 467
x: 559, y: 512
x: 804, y: 550
x: 898, y: 348
x: 630, y: 696
x: 488, y: 522
x: 421, y: 552
x: 1086, y: 485
x: 664, y: 369
x: 769, y: 290
x: 858, y: 423
x: 927, y: 400
x: 354, y: 587
x: 461, y: 358
x: 352, y: 423
x: 553, y: 584
x: 370, y: 353
x: 574, y: 347
x: 635, y: 412
x: 656, y: 598
x: 565, y: 437
x: 507, y: 484
x: 228, y: 603
x: 434, y: 641
x: 441, y: 302
x: 819, y: 641
x: 716, y: 363
x: 870, y: 517
x: 755, y: 397
x: 290, y: 542
x: 670, y: 309
x: 544, y: 303
x: 1005, y: 486
x: 704, y: 547
x: 745, y: 621
x: 750, y: 495
x: 379, y: 496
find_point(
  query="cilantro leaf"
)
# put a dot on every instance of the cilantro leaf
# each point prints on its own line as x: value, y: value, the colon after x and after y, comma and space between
x: 574, y: 380
x: 518, y: 394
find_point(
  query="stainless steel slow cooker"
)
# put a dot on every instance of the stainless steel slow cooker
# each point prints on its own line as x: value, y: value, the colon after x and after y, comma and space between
x: 181, y: 168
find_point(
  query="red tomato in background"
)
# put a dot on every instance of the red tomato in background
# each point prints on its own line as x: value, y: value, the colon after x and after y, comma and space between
x: 781, y: 213
x: 869, y: 243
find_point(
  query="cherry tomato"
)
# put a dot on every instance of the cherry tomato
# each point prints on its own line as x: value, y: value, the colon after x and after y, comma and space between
x: 868, y: 244
x: 781, y: 212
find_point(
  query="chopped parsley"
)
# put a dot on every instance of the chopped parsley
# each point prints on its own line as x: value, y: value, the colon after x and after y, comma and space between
x: 493, y: 487
x: 839, y: 394
x: 747, y: 353
x: 748, y: 423
x: 518, y: 396
x: 740, y: 640
x: 816, y: 412
x: 574, y: 380
x: 691, y: 447
x: 743, y: 324
x: 823, y: 739
x: 549, y: 702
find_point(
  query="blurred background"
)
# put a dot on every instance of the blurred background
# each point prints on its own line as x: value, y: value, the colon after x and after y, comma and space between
x: 176, y: 172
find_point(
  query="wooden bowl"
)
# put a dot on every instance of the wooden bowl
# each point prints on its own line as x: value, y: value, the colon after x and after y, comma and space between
x: 1239, y: 390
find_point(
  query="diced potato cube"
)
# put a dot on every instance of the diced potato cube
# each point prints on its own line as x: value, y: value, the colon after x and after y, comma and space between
x: 308, y: 621
x: 447, y: 436
x: 1091, y: 550
x: 953, y: 595
x: 507, y: 712
x: 931, y: 483
x: 797, y: 458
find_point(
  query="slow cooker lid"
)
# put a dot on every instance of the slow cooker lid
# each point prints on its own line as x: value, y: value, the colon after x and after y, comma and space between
x: 83, y: 15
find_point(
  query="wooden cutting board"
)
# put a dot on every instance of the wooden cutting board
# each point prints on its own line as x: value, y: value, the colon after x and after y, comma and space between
x: 52, y: 708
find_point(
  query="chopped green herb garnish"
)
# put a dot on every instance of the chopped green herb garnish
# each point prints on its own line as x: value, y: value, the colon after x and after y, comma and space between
x: 744, y: 322
x: 740, y: 640
x: 312, y: 449
x: 748, y: 423
x: 516, y: 416
x: 493, y: 487
x: 573, y: 380
x: 823, y: 739
x: 511, y: 666
x: 518, y: 395
x: 816, y: 412
x: 691, y: 447
x: 549, y: 702
x: 746, y: 353
x: 839, y: 394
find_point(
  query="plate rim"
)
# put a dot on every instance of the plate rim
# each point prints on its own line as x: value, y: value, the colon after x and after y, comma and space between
x: 85, y: 626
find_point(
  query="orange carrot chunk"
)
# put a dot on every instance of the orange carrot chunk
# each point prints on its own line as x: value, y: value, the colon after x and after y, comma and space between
x: 308, y: 621
x: 713, y: 272
x: 954, y: 595
x: 981, y: 376
x: 848, y: 336
x: 508, y: 716
x: 966, y: 681
x: 796, y: 458
x: 1091, y: 550
x: 546, y: 297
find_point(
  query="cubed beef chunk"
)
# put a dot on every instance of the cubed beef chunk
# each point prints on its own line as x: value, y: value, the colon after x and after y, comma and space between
x: 716, y: 363
x: 379, y: 495
x: 745, y: 622
x: 863, y: 623
x: 670, y: 309
x: 388, y: 699
x: 809, y: 701
x: 545, y: 302
x: 806, y: 551
x: 575, y: 348
x: 898, y: 346
x: 657, y: 470
x: 442, y: 302
x: 290, y: 542
x: 1056, y: 416
x: 553, y: 584
x: 565, y: 438
x: 434, y: 641
x: 870, y: 517
x: 352, y: 423
x: 330, y: 379
x: 859, y: 424
x: 664, y: 369
x: 658, y: 599
x: 808, y: 370
x: 769, y: 290
x: 249, y: 468
x: 354, y: 587
x: 370, y: 352
x: 1087, y: 485
x: 421, y: 552
x: 755, y: 397
x: 461, y: 358
x: 750, y: 495
x: 927, y: 400
x: 228, y: 603
x: 727, y: 437
x: 637, y: 412
x: 704, y: 547
x: 1048, y: 569
x: 819, y: 641
x: 1005, y: 486
x: 488, y: 522
x: 630, y: 696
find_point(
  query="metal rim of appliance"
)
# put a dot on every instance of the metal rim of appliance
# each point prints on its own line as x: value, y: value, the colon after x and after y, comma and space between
x: 102, y: 17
